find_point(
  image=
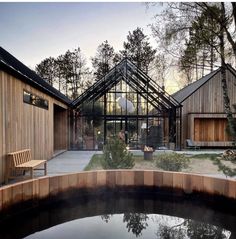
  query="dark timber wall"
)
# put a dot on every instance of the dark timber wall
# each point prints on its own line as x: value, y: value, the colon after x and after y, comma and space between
x: 60, y: 128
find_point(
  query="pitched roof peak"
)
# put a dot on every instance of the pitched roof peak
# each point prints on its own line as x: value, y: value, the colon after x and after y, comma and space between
x: 188, y: 90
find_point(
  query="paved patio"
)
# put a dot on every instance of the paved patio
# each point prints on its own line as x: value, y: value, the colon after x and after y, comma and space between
x: 70, y: 162
x: 67, y: 162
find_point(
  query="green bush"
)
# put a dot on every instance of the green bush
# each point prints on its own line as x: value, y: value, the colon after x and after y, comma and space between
x: 230, y: 156
x: 172, y: 162
x: 116, y: 156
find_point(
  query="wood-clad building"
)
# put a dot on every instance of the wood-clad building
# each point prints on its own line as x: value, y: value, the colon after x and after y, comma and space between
x: 203, y: 117
x: 33, y: 114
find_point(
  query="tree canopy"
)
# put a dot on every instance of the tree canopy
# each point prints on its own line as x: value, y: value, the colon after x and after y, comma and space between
x: 137, y: 48
x: 68, y: 72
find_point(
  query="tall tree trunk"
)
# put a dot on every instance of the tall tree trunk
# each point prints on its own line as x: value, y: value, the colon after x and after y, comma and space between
x: 196, y: 62
x: 66, y: 86
x: 224, y: 82
x: 59, y: 82
x: 203, y: 59
x: 212, y: 57
x: 234, y: 13
x: 196, y: 67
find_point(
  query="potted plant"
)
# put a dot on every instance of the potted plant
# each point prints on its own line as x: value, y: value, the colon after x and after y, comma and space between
x: 148, y: 153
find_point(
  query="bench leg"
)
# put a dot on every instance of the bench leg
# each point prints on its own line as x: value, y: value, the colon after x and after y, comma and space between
x: 45, y: 169
x: 8, y: 172
x: 31, y: 173
x: 7, y: 176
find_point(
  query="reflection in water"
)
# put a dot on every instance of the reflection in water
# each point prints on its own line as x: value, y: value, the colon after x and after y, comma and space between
x: 130, y: 216
x: 106, y: 217
x: 136, y: 222
x: 168, y: 227
x: 187, y: 228
x: 195, y: 229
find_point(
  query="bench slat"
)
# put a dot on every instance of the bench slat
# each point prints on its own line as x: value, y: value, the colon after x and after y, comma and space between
x: 17, y: 152
x: 31, y: 164
x: 21, y: 160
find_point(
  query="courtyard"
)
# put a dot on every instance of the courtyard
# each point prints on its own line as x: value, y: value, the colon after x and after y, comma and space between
x: 118, y: 120
x: 77, y: 161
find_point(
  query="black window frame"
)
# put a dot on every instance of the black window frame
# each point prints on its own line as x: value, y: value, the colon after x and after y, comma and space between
x: 35, y: 100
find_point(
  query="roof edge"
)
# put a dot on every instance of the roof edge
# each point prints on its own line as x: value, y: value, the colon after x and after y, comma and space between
x: 30, y: 81
x: 216, y: 71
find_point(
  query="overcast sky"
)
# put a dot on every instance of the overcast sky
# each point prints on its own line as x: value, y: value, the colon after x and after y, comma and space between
x: 34, y: 31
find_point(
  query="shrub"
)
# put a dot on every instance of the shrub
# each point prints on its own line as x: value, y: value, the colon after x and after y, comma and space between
x: 116, y: 156
x: 172, y: 162
x: 230, y: 156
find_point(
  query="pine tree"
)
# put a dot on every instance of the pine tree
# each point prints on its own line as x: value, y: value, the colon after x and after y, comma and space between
x: 46, y: 69
x: 68, y: 72
x: 104, y: 59
x: 138, y: 49
x: 116, y: 156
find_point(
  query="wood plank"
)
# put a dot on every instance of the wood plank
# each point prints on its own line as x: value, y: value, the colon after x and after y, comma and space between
x: 2, y: 135
x: 31, y: 164
x: 210, y: 130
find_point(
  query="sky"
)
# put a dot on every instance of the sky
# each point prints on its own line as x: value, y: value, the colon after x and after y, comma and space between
x: 34, y: 31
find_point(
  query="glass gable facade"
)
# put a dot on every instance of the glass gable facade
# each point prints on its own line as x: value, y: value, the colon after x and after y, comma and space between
x: 128, y: 101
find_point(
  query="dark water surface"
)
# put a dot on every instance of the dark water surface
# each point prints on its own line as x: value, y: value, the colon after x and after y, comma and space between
x: 123, y: 215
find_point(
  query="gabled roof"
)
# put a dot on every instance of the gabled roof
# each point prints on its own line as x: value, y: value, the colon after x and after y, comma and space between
x: 14, y: 67
x: 231, y: 69
x: 184, y: 93
x: 136, y: 79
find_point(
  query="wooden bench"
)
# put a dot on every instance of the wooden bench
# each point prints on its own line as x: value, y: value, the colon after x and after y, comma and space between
x: 21, y: 161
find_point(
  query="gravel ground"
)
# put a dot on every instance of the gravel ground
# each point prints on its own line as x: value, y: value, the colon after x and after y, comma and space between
x: 198, y: 166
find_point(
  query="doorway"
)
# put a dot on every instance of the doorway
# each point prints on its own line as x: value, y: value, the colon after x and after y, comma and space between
x: 60, y: 135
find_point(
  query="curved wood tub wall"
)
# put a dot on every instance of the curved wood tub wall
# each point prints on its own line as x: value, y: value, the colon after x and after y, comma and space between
x: 51, y: 186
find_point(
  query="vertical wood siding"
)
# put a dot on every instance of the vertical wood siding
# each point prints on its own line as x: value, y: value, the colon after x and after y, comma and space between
x: 23, y: 125
x: 208, y: 99
x: 210, y: 129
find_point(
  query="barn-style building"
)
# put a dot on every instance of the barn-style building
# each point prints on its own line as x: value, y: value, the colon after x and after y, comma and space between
x: 36, y: 116
x: 33, y: 114
x: 203, y: 117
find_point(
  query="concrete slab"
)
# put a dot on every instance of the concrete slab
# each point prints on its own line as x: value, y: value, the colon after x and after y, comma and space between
x: 69, y: 162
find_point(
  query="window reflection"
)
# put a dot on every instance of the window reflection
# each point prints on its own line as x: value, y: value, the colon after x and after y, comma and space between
x: 33, y: 99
